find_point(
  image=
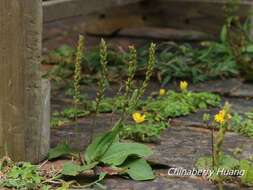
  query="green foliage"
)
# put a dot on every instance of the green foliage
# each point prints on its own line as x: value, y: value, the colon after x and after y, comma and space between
x: 178, y: 104
x: 64, y: 52
x: 74, y: 169
x: 67, y: 115
x: 144, y: 132
x: 139, y: 169
x: 119, y: 152
x: 173, y: 104
x: 58, y: 121
x: 247, y: 178
x: 101, y: 144
x: 106, y: 149
x: 243, y: 124
x: 71, y: 169
x: 22, y: 176
x: 127, y: 156
x: 60, y: 150
x: 236, y: 36
x: 226, y: 162
x: 210, y: 60
x: 63, y: 59
x: 207, y: 60
x: 108, y: 104
x: 111, y: 104
x: 71, y: 113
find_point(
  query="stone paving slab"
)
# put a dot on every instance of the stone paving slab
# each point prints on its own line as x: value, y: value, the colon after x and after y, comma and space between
x: 78, y: 135
x: 244, y: 90
x: 182, y: 146
x: 158, y: 184
x: 179, y: 146
x: 163, y: 183
x: 238, y: 105
x: 223, y: 87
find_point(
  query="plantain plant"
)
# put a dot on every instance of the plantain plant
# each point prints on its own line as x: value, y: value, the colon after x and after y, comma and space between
x: 106, y: 149
x: 101, y: 83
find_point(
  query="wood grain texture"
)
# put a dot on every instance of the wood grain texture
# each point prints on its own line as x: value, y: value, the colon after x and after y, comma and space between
x: 204, y: 16
x: 59, y: 9
x: 20, y: 92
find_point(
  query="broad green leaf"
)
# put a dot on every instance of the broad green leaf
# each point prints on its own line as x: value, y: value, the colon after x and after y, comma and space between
x: 139, y: 169
x: 88, y: 166
x: 247, y: 178
x: 228, y: 162
x: 71, y: 169
x: 101, y: 144
x: 119, y: 152
x: 58, y: 151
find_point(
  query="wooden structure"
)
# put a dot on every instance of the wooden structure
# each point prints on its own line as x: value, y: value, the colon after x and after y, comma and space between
x: 23, y: 133
x: 124, y: 17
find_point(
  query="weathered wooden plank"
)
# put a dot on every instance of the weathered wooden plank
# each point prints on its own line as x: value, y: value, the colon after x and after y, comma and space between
x: 246, y: 2
x: 46, y: 114
x: 21, y: 110
x: 205, y: 16
x: 59, y: 9
x: 163, y: 34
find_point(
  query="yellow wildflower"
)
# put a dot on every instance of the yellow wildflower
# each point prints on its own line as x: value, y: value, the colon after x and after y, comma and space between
x: 183, y: 85
x: 222, y: 117
x: 138, y: 117
x: 162, y: 92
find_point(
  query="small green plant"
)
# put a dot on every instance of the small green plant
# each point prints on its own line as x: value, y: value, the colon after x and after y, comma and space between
x: 106, y: 149
x: 58, y: 121
x: 175, y: 104
x: 146, y: 127
x: 101, y: 83
x: 67, y: 116
x: 243, y: 124
x: 247, y: 167
x: 222, y: 118
x: 208, y: 60
x: 219, y: 161
x: 22, y: 176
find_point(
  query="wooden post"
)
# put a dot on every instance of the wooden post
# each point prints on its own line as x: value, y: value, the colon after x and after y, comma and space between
x: 21, y: 99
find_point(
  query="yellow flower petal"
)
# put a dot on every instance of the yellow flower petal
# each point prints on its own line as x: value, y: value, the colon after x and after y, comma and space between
x: 138, y: 117
x: 183, y: 85
x: 162, y: 92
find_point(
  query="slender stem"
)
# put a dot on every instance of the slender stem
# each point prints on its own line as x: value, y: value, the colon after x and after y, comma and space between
x: 213, y: 146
